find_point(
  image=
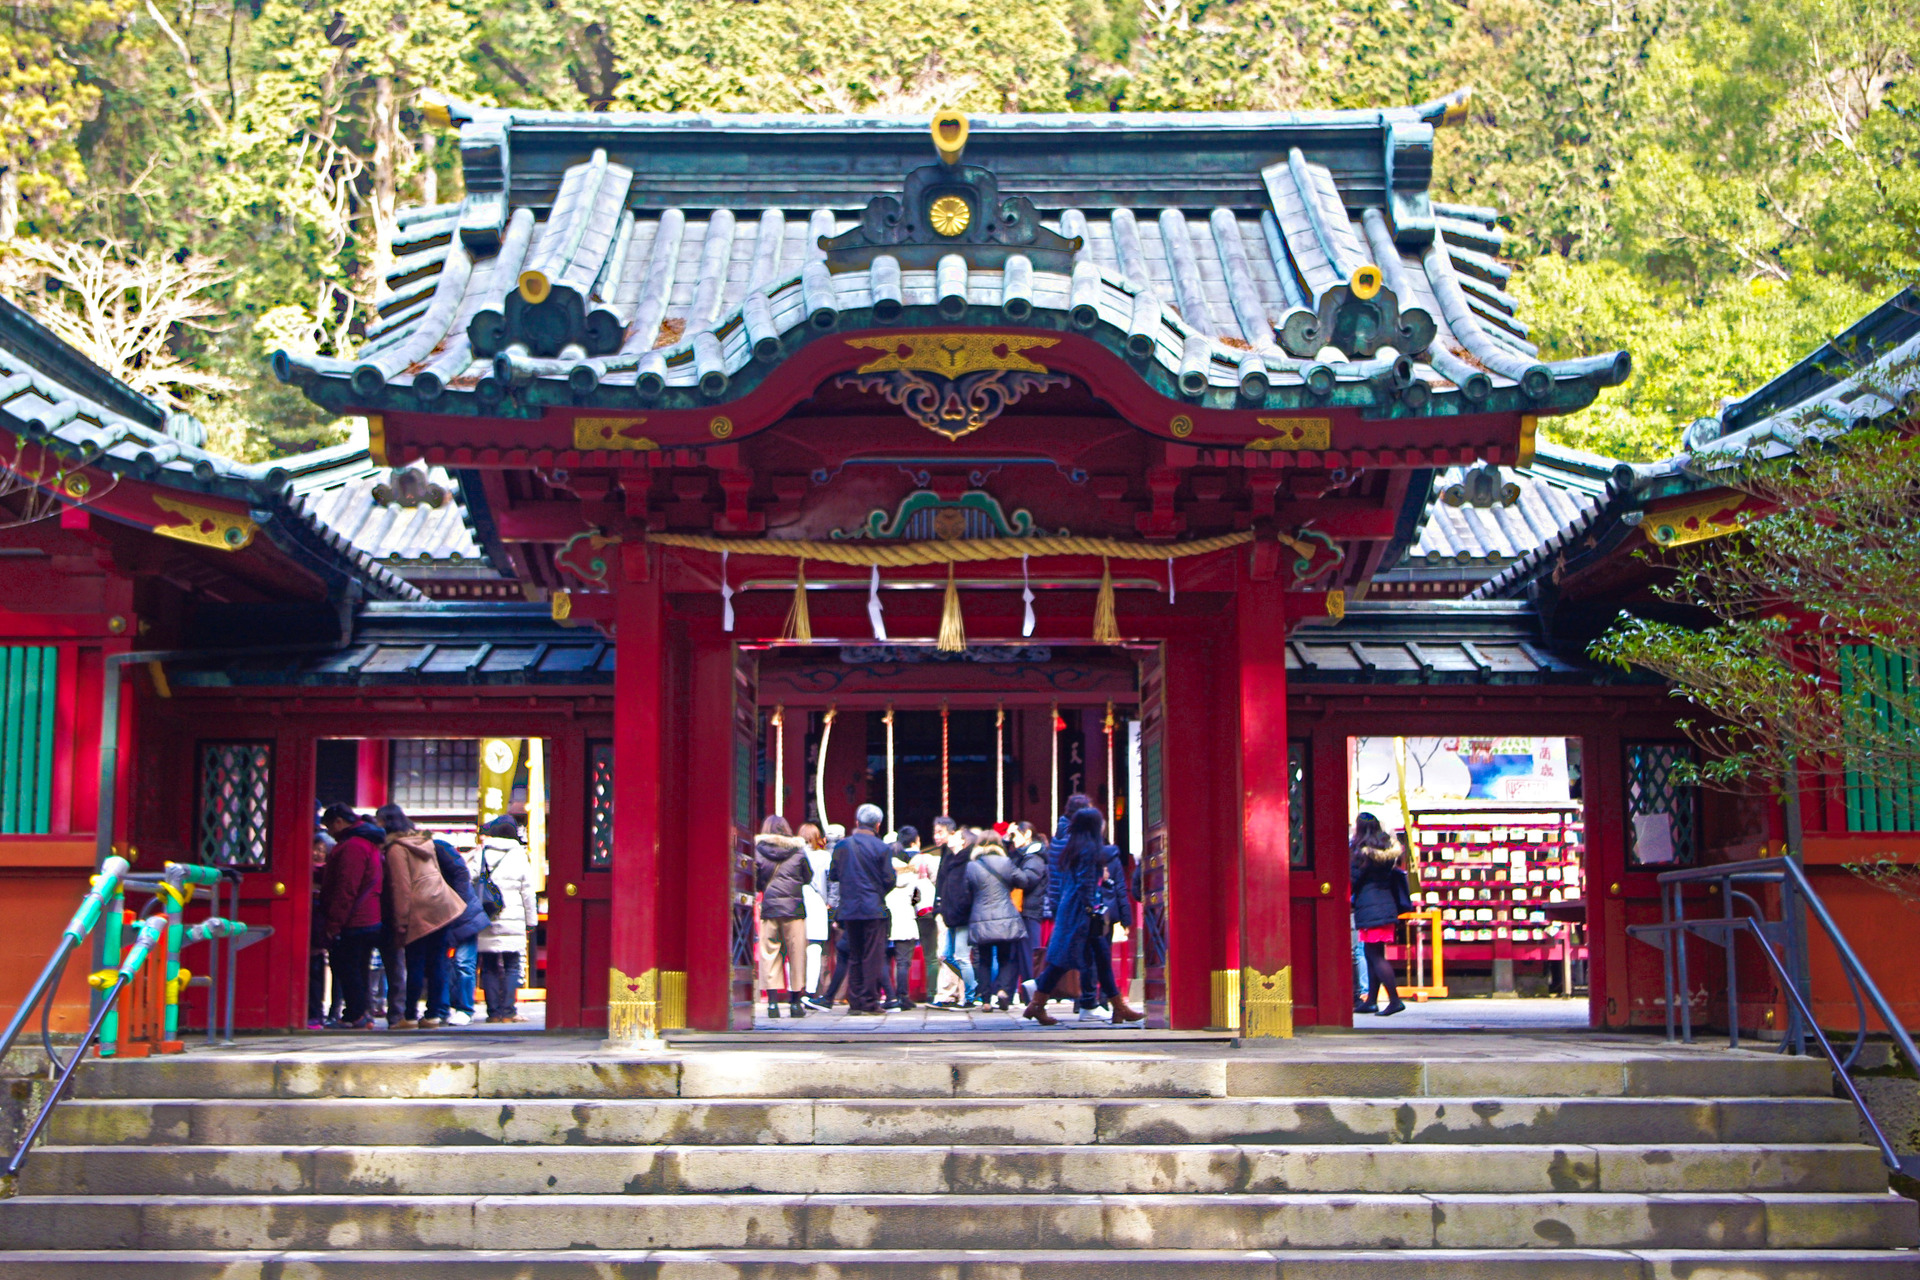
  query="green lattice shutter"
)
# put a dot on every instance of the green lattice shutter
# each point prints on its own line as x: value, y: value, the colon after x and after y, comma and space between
x: 1877, y: 689
x: 28, y: 682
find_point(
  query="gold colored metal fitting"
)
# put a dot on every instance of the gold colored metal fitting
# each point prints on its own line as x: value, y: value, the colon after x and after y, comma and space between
x: 1456, y: 112
x: 949, y: 135
x: 534, y: 287
x: 949, y: 215
x: 1365, y: 282
x: 433, y: 109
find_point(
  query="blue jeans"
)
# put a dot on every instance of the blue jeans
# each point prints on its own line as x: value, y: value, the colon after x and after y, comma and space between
x: 956, y: 955
x: 461, y: 973
x: 427, y: 970
x: 1361, y: 979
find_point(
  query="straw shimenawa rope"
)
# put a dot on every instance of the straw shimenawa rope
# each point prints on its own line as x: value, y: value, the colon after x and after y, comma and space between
x: 903, y: 555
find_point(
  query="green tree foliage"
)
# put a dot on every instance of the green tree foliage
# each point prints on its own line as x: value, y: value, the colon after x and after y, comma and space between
x: 1714, y: 184
x: 1830, y: 556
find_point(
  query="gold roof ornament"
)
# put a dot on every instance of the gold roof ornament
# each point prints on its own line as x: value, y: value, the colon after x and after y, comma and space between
x: 949, y: 135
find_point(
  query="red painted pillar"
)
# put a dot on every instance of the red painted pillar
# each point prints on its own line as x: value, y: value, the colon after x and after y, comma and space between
x: 371, y: 774
x: 1266, y: 904
x: 633, y: 995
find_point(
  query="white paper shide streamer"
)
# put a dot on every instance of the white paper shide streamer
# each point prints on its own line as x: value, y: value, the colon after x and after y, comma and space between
x: 1170, y: 592
x: 726, y: 596
x: 874, y: 613
x: 1026, y: 597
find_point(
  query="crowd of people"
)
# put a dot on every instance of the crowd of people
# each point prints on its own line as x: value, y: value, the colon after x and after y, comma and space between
x: 998, y: 915
x: 437, y: 919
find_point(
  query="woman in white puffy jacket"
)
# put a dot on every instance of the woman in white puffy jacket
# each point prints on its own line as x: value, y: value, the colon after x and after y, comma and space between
x: 503, y: 859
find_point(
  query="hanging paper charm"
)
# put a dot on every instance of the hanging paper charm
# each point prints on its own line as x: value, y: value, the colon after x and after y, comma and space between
x: 726, y: 596
x: 874, y: 614
x: 1026, y: 597
x: 1170, y: 591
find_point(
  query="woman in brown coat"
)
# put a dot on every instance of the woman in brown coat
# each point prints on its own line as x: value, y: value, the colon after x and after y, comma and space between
x: 421, y: 904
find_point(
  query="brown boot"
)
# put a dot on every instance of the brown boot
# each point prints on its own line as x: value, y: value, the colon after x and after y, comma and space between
x: 1124, y: 1012
x: 1037, y: 1010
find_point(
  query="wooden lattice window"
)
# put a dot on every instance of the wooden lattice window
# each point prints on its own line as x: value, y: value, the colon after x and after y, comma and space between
x: 29, y: 678
x: 1879, y: 691
x: 435, y: 775
x: 1663, y: 813
x: 236, y: 803
x: 1299, y: 801
x: 599, y: 805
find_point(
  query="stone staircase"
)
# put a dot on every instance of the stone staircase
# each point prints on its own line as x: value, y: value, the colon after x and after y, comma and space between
x: 959, y: 1162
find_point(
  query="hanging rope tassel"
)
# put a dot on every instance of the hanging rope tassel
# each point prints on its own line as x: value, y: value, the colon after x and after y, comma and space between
x: 1105, y: 629
x: 953, y: 631
x: 799, y: 625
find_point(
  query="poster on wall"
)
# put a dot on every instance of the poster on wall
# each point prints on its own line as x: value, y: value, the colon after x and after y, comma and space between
x: 1442, y: 771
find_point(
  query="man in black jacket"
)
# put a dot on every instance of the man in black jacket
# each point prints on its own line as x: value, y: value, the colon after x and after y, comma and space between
x: 953, y: 902
x: 863, y: 868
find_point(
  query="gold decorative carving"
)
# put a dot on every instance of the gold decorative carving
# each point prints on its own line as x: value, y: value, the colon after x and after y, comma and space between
x: 204, y: 525
x: 560, y: 603
x: 1226, y: 1000
x: 610, y: 433
x: 673, y: 1000
x: 1696, y: 522
x: 952, y: 354
x: 721, y: 427
x: 1268, y: 1004
x: 949, y: 215
x: 633, y: 1006
x: 949, y: 135
x: 1337, y: 603
x: 1295, y: 434
x: 1181, y: 426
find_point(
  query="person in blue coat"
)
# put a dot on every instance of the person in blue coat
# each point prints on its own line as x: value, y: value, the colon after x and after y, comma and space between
x: 1081, y: 863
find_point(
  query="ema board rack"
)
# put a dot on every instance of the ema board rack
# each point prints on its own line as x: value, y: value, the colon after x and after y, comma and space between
x: 1509, y: 882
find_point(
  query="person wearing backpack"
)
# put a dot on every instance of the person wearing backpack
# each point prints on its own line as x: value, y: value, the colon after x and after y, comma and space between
x: 503, y: 876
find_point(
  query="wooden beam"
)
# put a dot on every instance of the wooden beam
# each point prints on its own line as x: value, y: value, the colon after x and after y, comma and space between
x: 540, y: 521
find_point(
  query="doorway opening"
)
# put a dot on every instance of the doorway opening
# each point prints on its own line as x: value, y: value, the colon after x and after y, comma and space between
x: 450, y: 789
x: 1492, y: 835
x: 993, y: 738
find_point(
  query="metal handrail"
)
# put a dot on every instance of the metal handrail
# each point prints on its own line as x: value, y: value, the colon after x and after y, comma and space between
x: 1675, y: 926
x: 152, y: 930
x: 161, y: 932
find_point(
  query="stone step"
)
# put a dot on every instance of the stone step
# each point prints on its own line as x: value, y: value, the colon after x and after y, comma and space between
x: 996, y: 1264
x: 1697, y: 1221
x: 963, y: 1074
x: 981, y: 1170
x: 1003, y: 1122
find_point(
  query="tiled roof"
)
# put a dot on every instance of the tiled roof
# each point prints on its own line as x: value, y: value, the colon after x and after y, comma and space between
x: 1865, y: 373
x: 50, y: 391
x: 429, y: 644
x: 1558, y: 493
x: 1436, y: 642
x: 674, y: 261
x: 427, y: 535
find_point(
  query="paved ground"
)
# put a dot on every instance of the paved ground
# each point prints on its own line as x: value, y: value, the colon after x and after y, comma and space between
x: 1470, y: 1014
x: 1481, y: 1014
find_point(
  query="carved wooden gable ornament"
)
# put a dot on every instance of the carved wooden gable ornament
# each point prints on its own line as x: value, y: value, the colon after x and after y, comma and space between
x: 950, y: 207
